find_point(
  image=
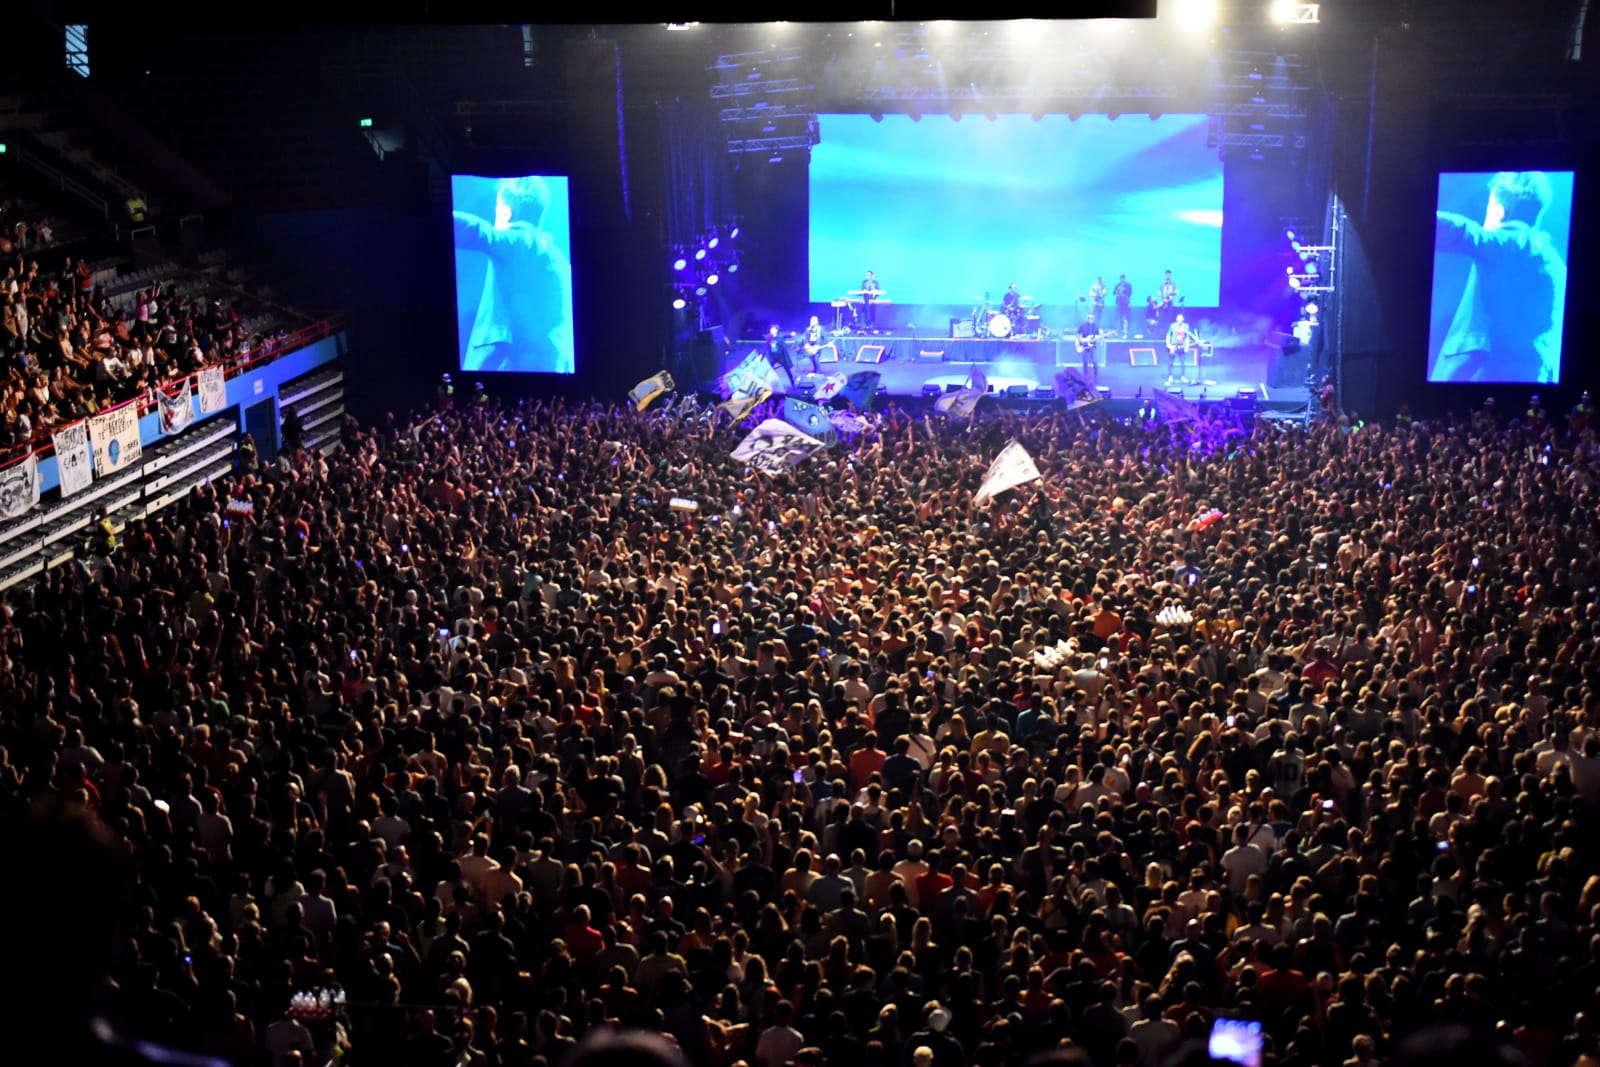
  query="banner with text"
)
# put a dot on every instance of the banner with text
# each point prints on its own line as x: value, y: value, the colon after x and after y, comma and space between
x: 72, y: 458
x: 114, y: 439
x: 213, y: 390
x: 774, y: 447
x: 19, y: 488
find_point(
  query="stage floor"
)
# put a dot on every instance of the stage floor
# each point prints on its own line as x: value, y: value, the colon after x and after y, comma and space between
x: 1127, y: 368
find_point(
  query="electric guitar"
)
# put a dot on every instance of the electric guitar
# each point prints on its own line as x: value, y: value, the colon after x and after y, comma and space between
x: 1086, y: 344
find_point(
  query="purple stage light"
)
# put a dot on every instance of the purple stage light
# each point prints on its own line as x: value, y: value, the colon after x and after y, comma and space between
x: 681, y: 263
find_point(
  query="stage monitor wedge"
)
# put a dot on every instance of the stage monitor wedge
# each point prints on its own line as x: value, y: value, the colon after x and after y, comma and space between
x: 1499, y: 276
x: 513, y: 270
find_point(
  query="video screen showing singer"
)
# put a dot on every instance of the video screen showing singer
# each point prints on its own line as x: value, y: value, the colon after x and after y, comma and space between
x: 1506, y: 323
x: 523, y: 320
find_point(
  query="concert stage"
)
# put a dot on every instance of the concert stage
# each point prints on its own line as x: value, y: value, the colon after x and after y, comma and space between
x: 1126, y: 368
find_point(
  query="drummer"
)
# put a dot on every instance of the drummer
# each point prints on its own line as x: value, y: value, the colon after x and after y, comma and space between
x: 1011, y: 304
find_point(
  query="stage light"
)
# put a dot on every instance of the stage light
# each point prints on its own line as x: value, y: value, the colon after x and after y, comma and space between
x: 733, y: 268
x: 1295, y: 245
x: 1284, y: 11
x: 1288, y: 270
x: 1294, y: 283
x: 1312, y: 268
x: 713, y: 278
x: 679, y: 303
x: 681, y: 263
x: 699, y: 290
x: 1289, y: 234
x: 1312, y: 309
x: 366, y: 124
x: 1196, y: 14
x: 714, y: 242
x: 699, y: 254
x: 733, y: 234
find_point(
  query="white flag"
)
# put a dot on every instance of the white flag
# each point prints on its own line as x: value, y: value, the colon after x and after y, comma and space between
x: 114, y: 438
x: 177, y: 409
x: 213, y: 390
x: 831, y: 385
x: 775, y: 446
x: 19, y: 488
x: 1175, y: 409
x: 72, y: 458
x: 1011, y: 468
x: 753, y: 374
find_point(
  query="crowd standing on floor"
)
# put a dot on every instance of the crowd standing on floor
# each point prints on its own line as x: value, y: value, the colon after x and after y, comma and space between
x: 469, y: 722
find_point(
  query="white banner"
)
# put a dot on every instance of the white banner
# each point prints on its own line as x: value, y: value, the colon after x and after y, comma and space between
x: 1175, y: 409
x: 742, y: 403
x: 213, y: 390
x: 114, y: 439
x: 1011, y: 468
x: 962, y: 402
x: 831, y: 385
x: 775, y: 446
x: 753, y: 374
x: 19, y: 488
x: 72, y: 458
x: 177, y: 410
x: 1075, y: 389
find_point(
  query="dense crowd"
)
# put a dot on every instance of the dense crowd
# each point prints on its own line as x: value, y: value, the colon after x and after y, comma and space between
x: 69, y: 350
x: 470, y: 723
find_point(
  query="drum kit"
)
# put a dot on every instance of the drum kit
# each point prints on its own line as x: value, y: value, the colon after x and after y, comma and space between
x: 1025, y: 322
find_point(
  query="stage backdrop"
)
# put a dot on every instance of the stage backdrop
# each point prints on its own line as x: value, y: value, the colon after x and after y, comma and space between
x: 945, y: 211
x: 1499, y: 276
x: 513, y: 250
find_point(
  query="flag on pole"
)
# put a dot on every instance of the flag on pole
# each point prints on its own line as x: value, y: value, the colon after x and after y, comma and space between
x: 1011, y: 468
x: 810, y: 420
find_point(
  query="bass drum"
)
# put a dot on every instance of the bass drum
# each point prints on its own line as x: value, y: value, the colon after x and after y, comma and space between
x: 1000, y: 326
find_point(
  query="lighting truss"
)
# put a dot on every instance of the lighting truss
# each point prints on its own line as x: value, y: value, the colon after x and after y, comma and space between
x: 938, y: 94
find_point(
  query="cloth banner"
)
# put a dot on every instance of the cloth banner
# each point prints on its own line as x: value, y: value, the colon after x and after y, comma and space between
x: 1075, y: 389
x: 860, y: 388
x: 651, y: 389
x: 1175, y: 409
x: 849, y: 422
x: 752, y: 374
x: 114, y: 439
x: 810, y: 419
x: 177, y: 410
x: 964, y: 401
x: 1011, y: 468
x: 742, y: 403
x: 775, y: 446
x: 213, y: 390
x: 831, y: 385
x: 19, y: 488
x: 72, y: 458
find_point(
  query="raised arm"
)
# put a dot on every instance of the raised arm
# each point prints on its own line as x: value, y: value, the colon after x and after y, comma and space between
x: 472, y: 233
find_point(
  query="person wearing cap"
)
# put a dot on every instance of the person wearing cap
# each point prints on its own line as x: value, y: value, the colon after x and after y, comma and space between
x: 936, y: 1038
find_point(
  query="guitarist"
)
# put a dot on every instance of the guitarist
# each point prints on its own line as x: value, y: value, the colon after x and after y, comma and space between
x: 1088, y: 342
x: 1180, y: 341
x: 811, y: 341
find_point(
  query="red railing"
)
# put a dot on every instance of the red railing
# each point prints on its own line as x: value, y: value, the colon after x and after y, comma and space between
x: 42, y: 446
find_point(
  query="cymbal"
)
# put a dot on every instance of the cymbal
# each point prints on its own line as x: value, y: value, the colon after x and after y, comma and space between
x: 1027, y: 298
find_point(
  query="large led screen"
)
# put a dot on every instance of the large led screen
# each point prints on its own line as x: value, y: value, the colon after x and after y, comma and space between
x: 1499, y: 276
x: 944, y: 212
x: 513, y: 246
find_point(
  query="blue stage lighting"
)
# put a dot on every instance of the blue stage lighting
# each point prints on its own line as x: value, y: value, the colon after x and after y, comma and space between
x: 714, y: 242
x: 712, y: 278
x: 699, y: 254
x: 681, y: 263
x: 679, y: 303
x: 733, y: 234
